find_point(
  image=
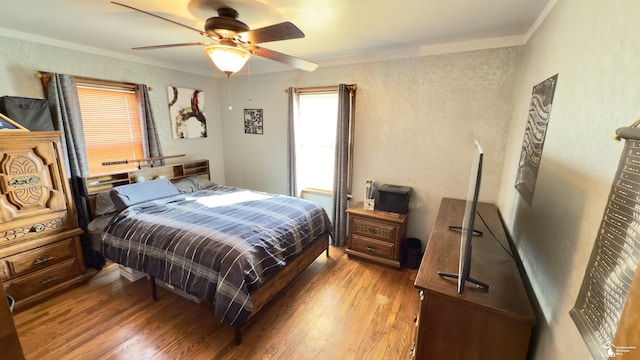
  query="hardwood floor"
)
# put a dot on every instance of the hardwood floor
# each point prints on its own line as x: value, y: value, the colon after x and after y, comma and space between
x: 338, y: 308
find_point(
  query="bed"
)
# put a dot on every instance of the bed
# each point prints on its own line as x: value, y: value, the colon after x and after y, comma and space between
x: 233, y: 248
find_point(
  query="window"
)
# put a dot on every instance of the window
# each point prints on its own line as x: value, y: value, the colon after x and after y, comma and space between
x: 315, y: 136
x: 113, y: 129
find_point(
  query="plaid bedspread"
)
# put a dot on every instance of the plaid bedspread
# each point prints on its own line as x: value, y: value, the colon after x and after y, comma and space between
x: 218, y: 244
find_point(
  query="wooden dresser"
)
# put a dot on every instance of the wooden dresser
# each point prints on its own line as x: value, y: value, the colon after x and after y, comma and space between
x: 475, y: 325
x: 40, y: 250
x: 375, y: 235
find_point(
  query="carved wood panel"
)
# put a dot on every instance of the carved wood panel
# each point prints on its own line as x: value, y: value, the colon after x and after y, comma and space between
x: 27, y: 185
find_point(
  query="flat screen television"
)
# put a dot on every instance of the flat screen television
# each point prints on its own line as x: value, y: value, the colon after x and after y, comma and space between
x: 467, y: 231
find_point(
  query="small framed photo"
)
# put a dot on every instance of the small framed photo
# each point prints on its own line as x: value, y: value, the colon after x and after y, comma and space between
x: 7, y: 124
x: 253, y: 121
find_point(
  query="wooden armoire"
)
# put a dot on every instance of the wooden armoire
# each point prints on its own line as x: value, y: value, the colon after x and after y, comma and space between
x: 40, y: 250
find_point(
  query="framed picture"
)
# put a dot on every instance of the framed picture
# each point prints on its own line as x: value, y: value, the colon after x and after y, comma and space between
x: 253, y: 119
x: 7, y: 124
x: 186, y: 110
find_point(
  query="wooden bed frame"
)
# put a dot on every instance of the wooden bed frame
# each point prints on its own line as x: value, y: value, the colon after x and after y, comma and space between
x: 277, y: 282
x: 269, y: 289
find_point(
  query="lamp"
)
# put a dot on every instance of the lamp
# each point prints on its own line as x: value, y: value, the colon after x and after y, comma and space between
x: 228, y: 58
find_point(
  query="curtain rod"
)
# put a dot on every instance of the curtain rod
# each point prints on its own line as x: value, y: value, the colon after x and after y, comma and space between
x: 45, y: 77
x: 352, y: 88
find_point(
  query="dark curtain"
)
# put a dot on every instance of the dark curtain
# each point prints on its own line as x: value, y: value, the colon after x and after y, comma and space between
x: 153, y: 141
x: 342, y: 163
x: 62, y: 95
x: 65, y: 112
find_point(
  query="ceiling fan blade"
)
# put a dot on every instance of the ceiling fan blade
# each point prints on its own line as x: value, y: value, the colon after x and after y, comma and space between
x: 162, y: 18
x: 283, y: 58
x: 281, y: 31
x: 169, y: 46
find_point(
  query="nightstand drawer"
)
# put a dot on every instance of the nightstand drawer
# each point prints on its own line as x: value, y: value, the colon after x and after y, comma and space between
x: 372, y: 247
x: 38, y: 258
x: 378, y: 230
x: 38, y: 281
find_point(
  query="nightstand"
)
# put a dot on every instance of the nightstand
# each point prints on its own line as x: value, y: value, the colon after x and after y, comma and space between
x: 375, y: 235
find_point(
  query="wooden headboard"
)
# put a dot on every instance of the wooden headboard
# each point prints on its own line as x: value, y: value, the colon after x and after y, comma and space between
x: 90, y: 186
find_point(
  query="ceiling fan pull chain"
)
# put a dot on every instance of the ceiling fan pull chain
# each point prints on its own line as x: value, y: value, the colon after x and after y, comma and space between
x: 229, y: 90
x: 249, y: 74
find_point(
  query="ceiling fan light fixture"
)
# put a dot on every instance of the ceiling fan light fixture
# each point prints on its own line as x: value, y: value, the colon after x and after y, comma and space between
x: 228, y: 59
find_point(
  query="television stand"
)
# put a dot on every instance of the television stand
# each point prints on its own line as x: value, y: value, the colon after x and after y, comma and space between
x: 474, y: 325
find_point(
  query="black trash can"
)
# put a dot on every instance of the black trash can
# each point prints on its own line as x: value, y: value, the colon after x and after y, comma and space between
x: 414, y: 253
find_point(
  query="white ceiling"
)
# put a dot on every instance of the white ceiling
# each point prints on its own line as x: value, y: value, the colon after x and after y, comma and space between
x: 337, y: 31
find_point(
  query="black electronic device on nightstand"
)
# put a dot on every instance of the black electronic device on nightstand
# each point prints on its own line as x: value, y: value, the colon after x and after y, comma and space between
x: 393, y: 198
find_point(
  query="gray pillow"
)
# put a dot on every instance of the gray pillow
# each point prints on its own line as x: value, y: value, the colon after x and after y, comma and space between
x: 104, y: 204
x: 192, y: 184
x: 127, y: 195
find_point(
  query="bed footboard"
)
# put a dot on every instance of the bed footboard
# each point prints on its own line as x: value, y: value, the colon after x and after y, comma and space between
x: 275, y: 284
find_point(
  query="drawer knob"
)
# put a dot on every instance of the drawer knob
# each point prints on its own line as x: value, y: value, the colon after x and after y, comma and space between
x: 372, y: 231
x: 371, y: 248
x: 48, y: 279
x: 37, y: 228
x: 43, y: 259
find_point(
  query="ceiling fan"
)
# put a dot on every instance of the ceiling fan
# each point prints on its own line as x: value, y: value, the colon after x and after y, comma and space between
x: 231, y: 42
